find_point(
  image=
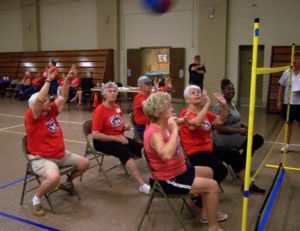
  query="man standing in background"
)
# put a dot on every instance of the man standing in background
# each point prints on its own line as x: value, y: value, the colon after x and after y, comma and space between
x: 197, y: 72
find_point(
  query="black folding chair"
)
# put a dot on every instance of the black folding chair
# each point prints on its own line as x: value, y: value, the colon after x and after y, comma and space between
x: 30, y: 176
x: 158, y: 192
x: 92, y: 154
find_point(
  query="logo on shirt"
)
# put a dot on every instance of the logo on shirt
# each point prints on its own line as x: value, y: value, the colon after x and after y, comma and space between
x: 206, y: 126
x: 116, y: 121
x: 51, y: 126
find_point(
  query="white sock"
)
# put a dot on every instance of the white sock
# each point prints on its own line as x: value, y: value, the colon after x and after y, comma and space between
x: 36, y: 200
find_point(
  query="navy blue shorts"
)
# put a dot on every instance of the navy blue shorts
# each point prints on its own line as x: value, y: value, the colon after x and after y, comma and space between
x: 181, y: 184
x: 294, y: 112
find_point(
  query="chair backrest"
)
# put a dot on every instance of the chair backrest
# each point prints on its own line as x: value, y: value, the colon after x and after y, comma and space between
x: 87, y: 84
x: 87, y: 128
x: 24, y: 148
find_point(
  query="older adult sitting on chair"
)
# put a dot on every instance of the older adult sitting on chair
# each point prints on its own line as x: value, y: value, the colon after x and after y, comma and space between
x: 139, y: 117
x: 108, y: 134
x: 166, y: 159
x: 46, y: 144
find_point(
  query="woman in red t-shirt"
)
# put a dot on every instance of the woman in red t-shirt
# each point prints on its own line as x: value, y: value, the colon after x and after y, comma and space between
x: 166, y: 159
x: 108, y: 134
x: 196, y: 135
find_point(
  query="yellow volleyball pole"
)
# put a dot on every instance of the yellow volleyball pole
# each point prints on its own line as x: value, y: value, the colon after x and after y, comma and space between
x: 288, y: 106
x: 250, y: 124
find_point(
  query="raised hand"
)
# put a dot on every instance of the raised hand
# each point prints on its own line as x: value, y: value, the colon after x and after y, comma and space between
x: 205, y: 96
x: 50, y: 74
x: 220, y: 98
x: 71, y: 72
x: 172, y: 124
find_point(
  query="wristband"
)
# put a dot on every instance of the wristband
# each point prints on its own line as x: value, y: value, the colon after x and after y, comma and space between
x: 47, y: 81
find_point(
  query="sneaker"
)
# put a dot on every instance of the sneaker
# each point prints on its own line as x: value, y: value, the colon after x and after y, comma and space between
x: 196, y: 202
x: 68, y: 187
x: 220, y: 217
x: 38, y: 210
x: 145, y: 189
x: 288, y: 148
x: 254, y: 189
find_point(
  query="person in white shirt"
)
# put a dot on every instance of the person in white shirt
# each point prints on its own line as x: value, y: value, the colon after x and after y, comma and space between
x: 282, y: 100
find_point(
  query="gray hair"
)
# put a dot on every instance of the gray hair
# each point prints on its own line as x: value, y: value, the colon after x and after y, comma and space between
x: 156, y: 104
x: 109, y: 85
x: 188, y: 89
x: 32, y: 99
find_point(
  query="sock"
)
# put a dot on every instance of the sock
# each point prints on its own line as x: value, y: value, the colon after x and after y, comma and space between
x: 36, y: 200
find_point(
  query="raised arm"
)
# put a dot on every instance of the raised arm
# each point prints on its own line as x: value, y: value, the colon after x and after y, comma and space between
x: 62, y: 99
x: 196, y: 122
x: 37, y: 105
x: 222, y: 118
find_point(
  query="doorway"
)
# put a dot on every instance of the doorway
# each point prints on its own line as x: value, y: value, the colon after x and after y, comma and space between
x: 244, y: 81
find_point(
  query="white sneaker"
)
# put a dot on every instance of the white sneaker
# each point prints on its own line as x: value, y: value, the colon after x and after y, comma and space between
x: 288, y: 148
x: 145, y: 189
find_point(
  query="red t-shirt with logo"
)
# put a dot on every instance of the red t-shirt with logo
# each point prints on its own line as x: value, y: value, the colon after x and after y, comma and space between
x: 76, y: 82
x: 138, y: 113
x: 163, y: 169
x: 44, y: 135
x: 108, y: 121
x: 53, y: 69
x: 197, y: 140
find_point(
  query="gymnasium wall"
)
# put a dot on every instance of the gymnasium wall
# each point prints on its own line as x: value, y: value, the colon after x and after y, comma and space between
x: 279, y: 25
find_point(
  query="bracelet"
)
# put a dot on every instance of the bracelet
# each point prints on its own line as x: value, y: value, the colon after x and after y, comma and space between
x: 47, y: 81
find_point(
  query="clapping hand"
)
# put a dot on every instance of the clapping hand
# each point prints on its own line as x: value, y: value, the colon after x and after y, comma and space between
x: 220, y: 98
x: 205, y: 96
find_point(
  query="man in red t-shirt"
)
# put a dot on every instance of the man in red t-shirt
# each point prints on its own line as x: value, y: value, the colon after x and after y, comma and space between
x: 45, y: 142
x: 139, y: 117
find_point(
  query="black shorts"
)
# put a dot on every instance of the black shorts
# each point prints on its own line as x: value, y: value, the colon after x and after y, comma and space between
x: 294, y: 112
x: 181, y: 184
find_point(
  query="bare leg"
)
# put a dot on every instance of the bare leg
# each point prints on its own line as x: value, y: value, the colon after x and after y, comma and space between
x: 209, y: 190
x: 81, y: 166
x: 79, y: 97
x: 133, y: 171
x: 51, y: 180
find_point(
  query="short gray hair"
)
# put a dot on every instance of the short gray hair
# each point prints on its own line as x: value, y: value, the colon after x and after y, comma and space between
x: 188, y: 89
x: 109, y: 85
x: 156, y: 104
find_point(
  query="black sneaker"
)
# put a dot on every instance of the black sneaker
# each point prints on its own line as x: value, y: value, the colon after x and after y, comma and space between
x: 257, y: 190
x: 197, y: 201
x: 68, y: 188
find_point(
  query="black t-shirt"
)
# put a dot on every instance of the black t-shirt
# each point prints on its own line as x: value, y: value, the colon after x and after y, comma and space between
x: 195, y: 77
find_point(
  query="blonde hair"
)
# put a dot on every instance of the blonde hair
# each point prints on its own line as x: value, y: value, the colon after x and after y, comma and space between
x: 156, y: 104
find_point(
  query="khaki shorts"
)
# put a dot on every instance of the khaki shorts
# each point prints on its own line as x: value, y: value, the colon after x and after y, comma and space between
x: 41, y: 164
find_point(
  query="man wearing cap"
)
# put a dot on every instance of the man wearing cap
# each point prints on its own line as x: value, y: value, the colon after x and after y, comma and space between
x: 51, y: 67
x: 197, y: 72
x: 139, y: 117
x: 45, y: 141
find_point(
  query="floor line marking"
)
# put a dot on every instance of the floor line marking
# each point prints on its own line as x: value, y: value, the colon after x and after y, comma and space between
x: 13, y: 126
x: 41, y: 226
x: 13, y: 183
x: 271, y: 142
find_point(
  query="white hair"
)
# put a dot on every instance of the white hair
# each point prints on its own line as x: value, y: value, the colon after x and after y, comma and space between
x: 32, y: 99
x: 188, y: 89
